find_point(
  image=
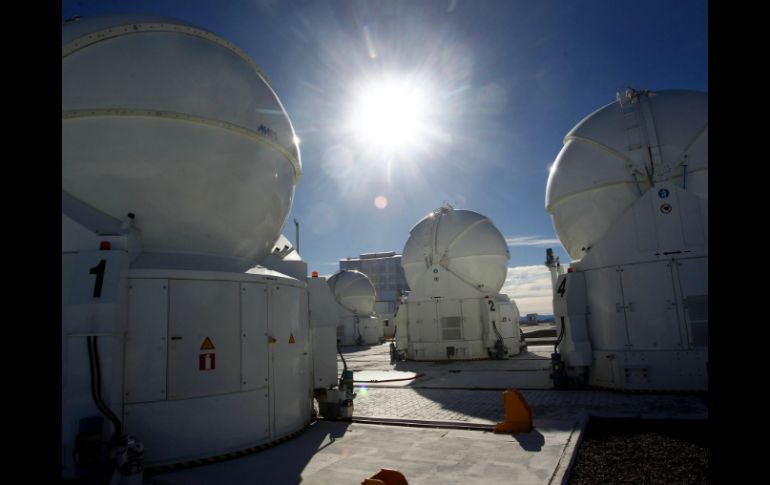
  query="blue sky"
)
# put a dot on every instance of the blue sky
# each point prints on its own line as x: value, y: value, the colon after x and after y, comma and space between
x: 500, y: 81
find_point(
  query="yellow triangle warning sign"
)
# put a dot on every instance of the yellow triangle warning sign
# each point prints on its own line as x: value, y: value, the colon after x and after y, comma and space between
x: 207, y: 344
x: 291, y: 338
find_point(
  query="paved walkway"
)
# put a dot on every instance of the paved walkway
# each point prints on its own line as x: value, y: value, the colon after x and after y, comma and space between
x: 486, y: 407
x: 455, y: 393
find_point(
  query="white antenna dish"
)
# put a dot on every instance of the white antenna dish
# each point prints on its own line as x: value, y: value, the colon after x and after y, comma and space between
x: 179, y: 127
x: 353, y: 290
x: 462, y: 242
x: 618, y: 153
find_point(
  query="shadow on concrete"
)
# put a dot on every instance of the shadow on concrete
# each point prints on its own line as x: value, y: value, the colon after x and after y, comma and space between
x: 453, y: 390
x: 532, y: 441
x: 283, y: 463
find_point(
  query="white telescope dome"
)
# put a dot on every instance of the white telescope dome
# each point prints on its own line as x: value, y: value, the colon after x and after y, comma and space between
x: 463, y: 242
x: 353, y: 290
x: 616, y: 154
x: 179, y: 127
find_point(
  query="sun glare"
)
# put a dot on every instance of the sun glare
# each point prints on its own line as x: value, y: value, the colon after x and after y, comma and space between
x: 390, y: 115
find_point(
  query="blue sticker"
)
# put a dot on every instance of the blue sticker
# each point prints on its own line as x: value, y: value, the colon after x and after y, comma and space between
x: 663, y: 193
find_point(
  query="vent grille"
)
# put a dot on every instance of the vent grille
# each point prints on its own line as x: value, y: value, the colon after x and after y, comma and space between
x: 451, y: 328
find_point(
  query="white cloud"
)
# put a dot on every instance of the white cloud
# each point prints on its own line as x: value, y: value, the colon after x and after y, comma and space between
x: 530, y: 288
x: 531, y: 241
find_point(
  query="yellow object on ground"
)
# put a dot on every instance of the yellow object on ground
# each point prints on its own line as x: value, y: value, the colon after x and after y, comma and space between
x: 386, y: 477
x: 518, y: 416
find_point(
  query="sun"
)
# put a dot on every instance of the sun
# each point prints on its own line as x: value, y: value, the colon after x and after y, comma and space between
x: 390, y: 115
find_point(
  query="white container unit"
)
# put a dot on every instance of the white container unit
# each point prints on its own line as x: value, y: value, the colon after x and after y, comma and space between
x: 356, y: 296
x: 628, y: 196
x: 455, y: 262
x: 176, y: 152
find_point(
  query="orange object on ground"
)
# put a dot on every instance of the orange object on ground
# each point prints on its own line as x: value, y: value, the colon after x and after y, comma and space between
x: 518, y: 416
x: 386, y: 477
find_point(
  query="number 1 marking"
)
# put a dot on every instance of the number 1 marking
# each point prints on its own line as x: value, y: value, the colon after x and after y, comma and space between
x: 98, y: 270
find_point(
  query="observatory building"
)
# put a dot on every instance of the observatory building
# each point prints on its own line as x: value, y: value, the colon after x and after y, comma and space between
x: 179, y: 165
x: 387, y: 275
x: 355, y: 295
x: 628, y: 197
x: 456, y: 262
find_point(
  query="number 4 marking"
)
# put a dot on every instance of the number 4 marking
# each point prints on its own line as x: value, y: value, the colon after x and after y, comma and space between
x: 562, y: 288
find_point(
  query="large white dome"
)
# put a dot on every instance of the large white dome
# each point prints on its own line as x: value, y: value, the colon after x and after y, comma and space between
x: 616, y: 154
x: 353, y: 290
x: 179, y: 127
x: 463, y: 242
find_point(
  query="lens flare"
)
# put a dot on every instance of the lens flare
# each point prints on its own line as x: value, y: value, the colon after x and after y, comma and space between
x: 380, y: 202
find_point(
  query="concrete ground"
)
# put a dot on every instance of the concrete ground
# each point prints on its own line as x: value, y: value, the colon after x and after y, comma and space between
x: 441, y: 397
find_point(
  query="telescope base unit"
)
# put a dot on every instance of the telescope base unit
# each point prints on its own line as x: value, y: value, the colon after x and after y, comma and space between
x: 194, y: 364
x: 458, y: 329
x: 641, y: 326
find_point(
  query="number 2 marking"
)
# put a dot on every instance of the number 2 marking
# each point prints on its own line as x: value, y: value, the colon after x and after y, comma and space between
x: 491, y: 306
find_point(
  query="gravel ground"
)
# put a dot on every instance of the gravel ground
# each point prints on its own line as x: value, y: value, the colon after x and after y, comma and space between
x: 642, y: 452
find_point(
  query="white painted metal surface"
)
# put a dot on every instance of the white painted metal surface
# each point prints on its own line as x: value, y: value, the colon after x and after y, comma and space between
x: 455, y: 254
x: 179, y: 128
x: 455, y: 262
x: 612, y: 158
x: 371, y: 329
x: 354, y: 291
x: 188, y: 429
x: 94, y: 304
x: 147, y: 105
x: 324, y: 319
x: 629, y: 199
x: 201, y: 310
x: 256, y: 361
x: 291, y: 384
x: 147, y: 342
x: 254, y: 324
x: 356, y: 296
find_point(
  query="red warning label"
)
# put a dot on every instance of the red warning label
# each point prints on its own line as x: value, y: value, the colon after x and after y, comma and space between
x: 207, y: 362
x: 291, y: 338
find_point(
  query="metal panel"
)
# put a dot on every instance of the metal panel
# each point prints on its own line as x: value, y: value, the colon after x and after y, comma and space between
x: 451, y: 328
x: 450, y: 321
x: 291, y: 387
x: 606, y: 319
x: 428, y: 315
x: 324, y: 357
x: 146, y: 345
x: 181, y: 430
x: 254, y: 358
x: 197, y: 310
x: 652, y: 318
x: 692, y: 275
x: 471, y: 319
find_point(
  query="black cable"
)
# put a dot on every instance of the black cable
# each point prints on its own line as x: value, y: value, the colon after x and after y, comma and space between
x: 497, y: 332
x: 95, y: 376
x: 561, y: 336
x: 499, y: 337
x: 96, y: 386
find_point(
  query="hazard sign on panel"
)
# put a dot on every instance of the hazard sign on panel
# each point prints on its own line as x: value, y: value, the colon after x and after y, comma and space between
x: 207, y: 362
